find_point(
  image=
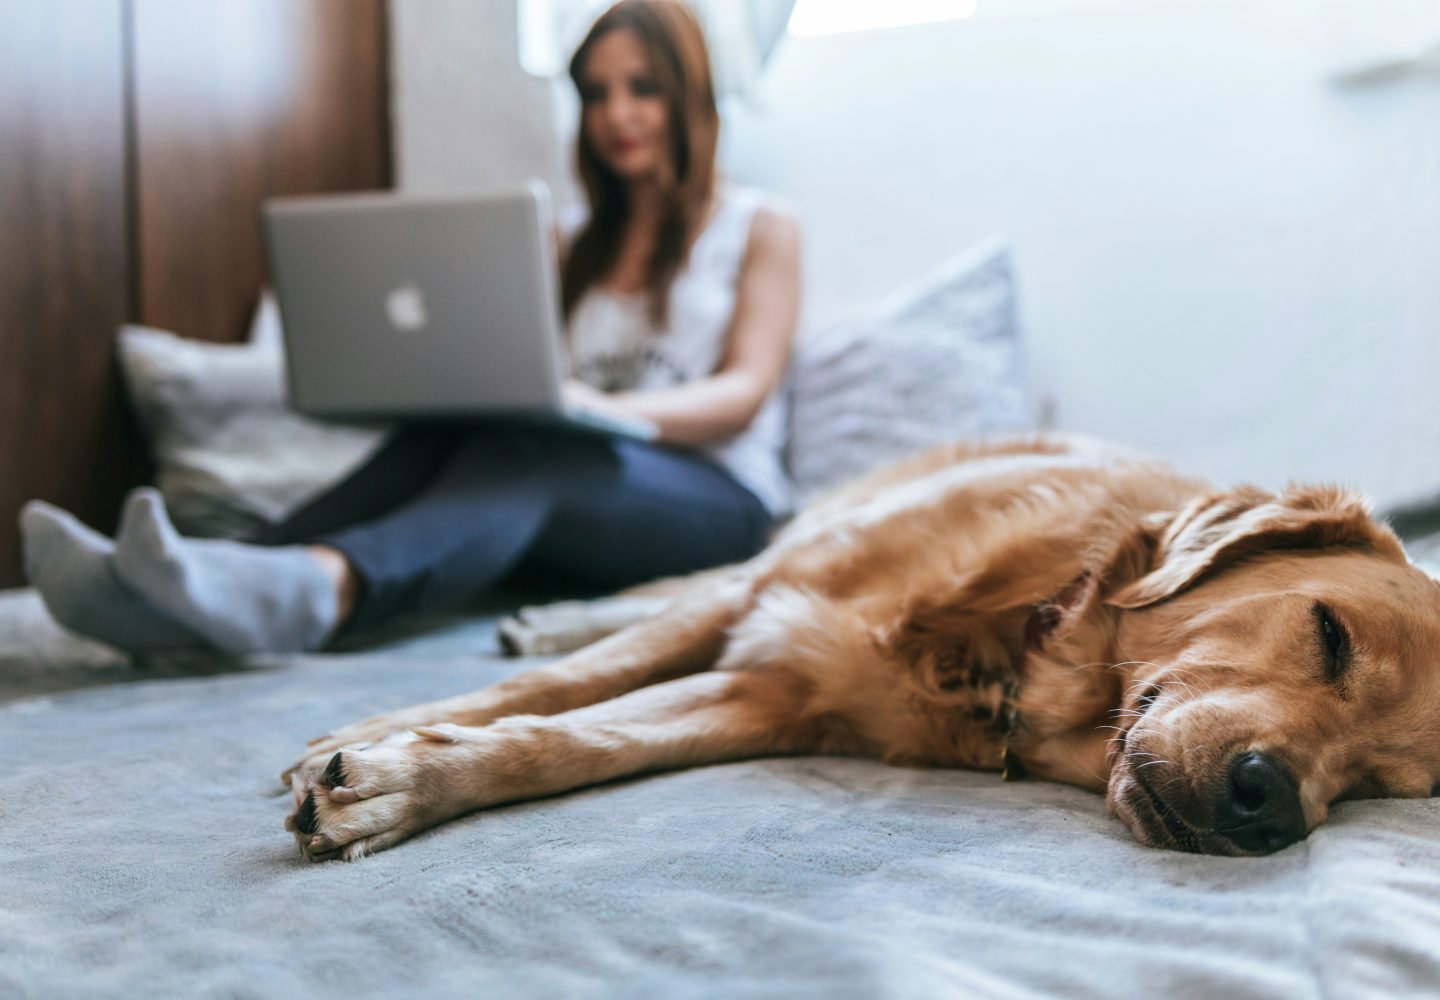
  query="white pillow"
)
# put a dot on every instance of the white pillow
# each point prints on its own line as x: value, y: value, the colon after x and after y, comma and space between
x: 230, y: 454
x: 941, y: 360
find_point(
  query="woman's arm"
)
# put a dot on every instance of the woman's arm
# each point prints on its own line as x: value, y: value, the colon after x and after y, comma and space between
x: 767, y: 307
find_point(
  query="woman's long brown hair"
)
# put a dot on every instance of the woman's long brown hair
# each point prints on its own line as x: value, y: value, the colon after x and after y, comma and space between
x: 675, y: 45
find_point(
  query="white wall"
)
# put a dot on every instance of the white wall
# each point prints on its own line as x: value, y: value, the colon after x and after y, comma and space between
x: 465, y: 115
x: 1223, y: 257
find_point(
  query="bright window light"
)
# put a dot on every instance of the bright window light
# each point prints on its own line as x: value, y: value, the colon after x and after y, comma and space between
x: 831, y: 17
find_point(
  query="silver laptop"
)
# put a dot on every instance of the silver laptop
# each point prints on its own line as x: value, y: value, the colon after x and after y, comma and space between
x: 396, y: 306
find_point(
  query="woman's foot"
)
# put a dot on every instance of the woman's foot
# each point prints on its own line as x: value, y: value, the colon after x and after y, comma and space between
x: 73, y: 569
x: 240, y: 598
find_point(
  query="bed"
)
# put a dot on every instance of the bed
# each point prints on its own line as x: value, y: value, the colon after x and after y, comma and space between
x: 143, y: 854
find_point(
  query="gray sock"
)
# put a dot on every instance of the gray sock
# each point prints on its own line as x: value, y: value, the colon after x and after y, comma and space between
x: 73, y: 569
x: 241, y: 598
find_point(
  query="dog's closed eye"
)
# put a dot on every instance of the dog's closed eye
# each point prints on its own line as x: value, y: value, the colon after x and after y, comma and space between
x: 1334, y: 644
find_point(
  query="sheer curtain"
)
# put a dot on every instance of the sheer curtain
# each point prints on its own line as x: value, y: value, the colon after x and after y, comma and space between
x: 742, y: 34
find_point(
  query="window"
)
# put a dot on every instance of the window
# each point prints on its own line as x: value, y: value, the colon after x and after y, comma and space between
x: 832, y: 17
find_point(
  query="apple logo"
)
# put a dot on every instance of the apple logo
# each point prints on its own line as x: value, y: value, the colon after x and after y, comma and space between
x: 405, y: 305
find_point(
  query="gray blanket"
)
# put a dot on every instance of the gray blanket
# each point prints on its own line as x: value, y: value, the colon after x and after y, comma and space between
x: 142, y: 855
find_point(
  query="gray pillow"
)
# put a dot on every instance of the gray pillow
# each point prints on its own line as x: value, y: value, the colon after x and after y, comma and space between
x: 939, y: 361
x: 230, y: 454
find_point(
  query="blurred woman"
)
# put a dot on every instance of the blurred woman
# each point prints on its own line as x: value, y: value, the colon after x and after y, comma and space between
x: 681, y: 295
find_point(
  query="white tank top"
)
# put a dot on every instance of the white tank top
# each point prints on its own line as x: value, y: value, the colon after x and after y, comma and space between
x: 614, y: 347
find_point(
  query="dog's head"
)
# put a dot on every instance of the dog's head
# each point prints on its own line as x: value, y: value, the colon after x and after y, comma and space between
x: 1282, y: 655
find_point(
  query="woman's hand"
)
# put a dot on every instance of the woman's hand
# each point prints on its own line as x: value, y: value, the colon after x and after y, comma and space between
x: 586, y: 397
x: 579, y: 395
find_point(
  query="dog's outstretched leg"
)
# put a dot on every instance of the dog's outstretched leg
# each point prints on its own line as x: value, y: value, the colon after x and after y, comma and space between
x: 565, y: 626
x: 687, y: 637
x: 373, y: 797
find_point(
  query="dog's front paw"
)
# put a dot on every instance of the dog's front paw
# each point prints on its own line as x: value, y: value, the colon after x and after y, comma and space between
x: 369, y: 797
x: 318, y: 751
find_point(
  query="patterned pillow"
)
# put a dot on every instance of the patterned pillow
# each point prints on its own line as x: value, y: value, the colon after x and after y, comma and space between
x: 230, y: 454
x: 939, y: 361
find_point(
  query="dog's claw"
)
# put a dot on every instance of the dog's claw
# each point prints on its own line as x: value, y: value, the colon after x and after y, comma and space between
x: 305, y: 817
x: 334, y: 775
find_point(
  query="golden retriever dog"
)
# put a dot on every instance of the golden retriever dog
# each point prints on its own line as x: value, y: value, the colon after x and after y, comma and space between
x: 1222, y: 665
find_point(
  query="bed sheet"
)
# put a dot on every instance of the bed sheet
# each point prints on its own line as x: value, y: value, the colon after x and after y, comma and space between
x: 142, y: 854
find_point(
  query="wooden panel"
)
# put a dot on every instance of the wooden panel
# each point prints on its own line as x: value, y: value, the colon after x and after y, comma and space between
x: 64, y: 433
x: 236, y: 100
x: 137, y: 139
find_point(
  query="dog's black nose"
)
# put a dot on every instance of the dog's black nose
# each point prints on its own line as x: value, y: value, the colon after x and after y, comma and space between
x: 1260, y: 808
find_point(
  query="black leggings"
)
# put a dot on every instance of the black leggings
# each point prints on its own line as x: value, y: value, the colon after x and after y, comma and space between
x: 441, y: 513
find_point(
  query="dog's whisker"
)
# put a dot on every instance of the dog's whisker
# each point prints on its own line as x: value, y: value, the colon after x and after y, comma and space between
x: 1144, y: 753
x: 1185, y: 671
x: 1138, y: 663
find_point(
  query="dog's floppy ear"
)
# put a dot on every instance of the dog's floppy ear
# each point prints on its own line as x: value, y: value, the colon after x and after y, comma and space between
x: 1215, y: 530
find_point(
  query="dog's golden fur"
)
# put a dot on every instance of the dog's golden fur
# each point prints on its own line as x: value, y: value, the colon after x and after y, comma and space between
x: 1048, y: 605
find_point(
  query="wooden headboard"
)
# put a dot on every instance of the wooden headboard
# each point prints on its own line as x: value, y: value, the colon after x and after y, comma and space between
x: 139, y: 139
